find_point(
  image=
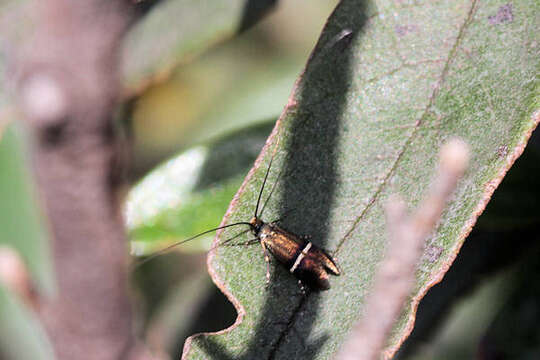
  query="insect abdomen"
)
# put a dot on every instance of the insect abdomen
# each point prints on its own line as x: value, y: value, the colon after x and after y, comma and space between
x: 313, y: 268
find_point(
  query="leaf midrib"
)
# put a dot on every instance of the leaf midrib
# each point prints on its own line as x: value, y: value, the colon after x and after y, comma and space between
x: 419, y: 123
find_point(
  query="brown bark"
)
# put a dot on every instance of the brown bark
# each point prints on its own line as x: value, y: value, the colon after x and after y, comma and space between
x: 67, y: 86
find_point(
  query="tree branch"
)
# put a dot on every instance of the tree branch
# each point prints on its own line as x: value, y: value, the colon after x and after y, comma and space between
x: 67, y: 85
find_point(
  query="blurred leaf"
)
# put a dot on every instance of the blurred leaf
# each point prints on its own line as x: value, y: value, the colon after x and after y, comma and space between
x: 506, y: 233
x: 242, y: 80
x: 174, y: 30
x: 21, y: 223
x: 514, y: 333
x: 189, y: 193
x: 21, y: 334
x: 439, y: 315
x: 208, y: 100
x: 21, y: 227
x: 386, y: 86
x: 255, y: 98
x: 460, y: 336
x: 497, y: 320
x: 176, y: 313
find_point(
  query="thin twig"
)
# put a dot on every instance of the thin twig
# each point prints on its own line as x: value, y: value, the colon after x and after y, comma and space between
x: 14, y: 276
x: 395, y: 278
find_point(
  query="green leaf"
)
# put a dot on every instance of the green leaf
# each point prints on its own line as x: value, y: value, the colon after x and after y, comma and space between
x: 459, y: 337
x: 253, y: 99
x: 513, y: 333
x: 21, y: 334
x: 178, y: 311
x: 189, y: 193
x: 174, y: 30
x: 22, y: 228
x: 21, y: 223
x: 388, y: 83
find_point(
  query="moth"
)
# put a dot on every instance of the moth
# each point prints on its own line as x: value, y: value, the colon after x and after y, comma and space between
x: 310, y: 264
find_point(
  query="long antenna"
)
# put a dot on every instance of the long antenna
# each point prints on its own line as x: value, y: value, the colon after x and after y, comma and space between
x: 264, y: 183
x: 165, y: 249
x: 274, y: 186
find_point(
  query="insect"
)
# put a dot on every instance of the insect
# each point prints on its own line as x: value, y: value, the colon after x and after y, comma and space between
x: 310, y: 264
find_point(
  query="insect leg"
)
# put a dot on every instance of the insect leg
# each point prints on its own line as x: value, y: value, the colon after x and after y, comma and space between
x: 252, y: 241
x: 302, y: 287
x: 267, y: 259
x: 227, y: 241
x: 245, y: 243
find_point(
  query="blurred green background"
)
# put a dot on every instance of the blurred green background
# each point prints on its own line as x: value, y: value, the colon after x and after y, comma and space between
x: 238, y: 83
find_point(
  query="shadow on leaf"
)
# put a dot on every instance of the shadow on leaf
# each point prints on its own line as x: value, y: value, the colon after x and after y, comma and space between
x: 308, y: 185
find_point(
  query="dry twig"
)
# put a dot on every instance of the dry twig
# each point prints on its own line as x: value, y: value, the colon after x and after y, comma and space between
x: 14, y: 276
x: 396, y: 275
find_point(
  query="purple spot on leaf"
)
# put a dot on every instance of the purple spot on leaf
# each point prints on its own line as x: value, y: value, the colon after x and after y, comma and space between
x: 403, y: 30
x: 433, y: 253
x: 502, y: 151
x: 504, y: 14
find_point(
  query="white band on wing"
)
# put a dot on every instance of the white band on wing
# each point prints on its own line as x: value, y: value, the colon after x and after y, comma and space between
x: 300, y: 257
